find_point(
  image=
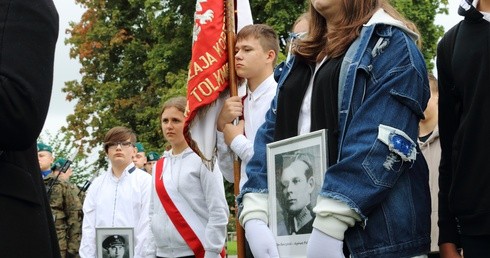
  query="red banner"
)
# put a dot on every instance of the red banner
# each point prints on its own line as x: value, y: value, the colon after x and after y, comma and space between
x: 208, y: 69
x: 208, y: 73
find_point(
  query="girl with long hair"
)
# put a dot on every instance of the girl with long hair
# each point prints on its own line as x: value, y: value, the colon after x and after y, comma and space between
x: 188, y: 210
x: 359, y: 74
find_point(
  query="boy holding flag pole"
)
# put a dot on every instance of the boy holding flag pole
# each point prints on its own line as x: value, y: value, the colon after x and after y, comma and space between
x: 209, y: 76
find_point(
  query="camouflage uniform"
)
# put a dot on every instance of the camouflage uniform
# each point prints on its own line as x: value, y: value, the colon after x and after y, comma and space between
x: 67, y: 213
x: 78, y: 193
x: 81, y: 197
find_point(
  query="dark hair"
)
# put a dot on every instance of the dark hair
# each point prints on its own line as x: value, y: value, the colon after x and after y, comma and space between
x: 119, y: 134
x: 320, y: 42
x: 264, y: 33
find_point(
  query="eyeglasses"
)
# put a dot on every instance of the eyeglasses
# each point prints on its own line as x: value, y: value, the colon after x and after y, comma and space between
x: 114, y: 145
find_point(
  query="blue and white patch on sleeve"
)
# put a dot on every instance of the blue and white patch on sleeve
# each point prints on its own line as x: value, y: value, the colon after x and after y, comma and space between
x: 398, y: 142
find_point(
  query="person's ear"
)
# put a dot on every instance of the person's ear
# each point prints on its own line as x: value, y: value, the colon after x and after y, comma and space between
x: 311, y: 183
x: 271, y: 55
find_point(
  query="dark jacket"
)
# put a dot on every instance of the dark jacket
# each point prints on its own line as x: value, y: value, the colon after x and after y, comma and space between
x: 464, y: 174
x: 28, y: 34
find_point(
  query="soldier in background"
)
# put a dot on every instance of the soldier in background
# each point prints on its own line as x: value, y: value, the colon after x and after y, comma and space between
x: 67, y: 211
x: 45, y: 158
x: 58, y: 164
x: 140, y: 158
x: 151, y: 159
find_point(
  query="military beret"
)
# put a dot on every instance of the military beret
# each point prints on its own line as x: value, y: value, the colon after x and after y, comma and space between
x: 44, y: 147
x: 152, y: 156
x: 58, y: 164
x: 113, y: 240
x: 139, y: 147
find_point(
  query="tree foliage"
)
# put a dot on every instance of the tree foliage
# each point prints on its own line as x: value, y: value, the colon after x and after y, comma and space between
x: 135, y: 53
x: 134, y: 56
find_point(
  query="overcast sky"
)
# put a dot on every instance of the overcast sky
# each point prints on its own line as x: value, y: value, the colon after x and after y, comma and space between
x: 66, y: 69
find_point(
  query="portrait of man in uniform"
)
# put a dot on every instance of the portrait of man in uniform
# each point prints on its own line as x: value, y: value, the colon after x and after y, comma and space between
x: 298, y: 165
x: 115, y: 247
x: 115, y: 242
x: 296, y: 187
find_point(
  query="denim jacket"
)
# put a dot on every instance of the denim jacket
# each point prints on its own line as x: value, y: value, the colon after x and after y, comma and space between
x: 380, y: 173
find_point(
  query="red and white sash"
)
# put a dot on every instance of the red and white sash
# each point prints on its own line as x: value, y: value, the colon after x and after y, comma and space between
x: 179, y: 212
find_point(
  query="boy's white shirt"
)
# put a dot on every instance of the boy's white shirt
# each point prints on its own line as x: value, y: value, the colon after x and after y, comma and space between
x: 255, y: 106
x: 117, y: 202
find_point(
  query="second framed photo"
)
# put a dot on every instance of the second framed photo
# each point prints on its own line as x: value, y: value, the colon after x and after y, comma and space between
x: 296, y: 168
x: 115, y: 242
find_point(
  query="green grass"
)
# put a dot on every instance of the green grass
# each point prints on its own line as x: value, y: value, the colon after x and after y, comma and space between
x: 231, y: 247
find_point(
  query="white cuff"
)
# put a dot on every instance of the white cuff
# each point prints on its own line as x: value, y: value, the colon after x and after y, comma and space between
x: 243, y: 147
x: 333, y: 217
x: 255, y: 206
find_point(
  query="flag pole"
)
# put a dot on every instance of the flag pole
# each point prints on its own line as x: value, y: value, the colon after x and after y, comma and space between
x: 230, y: 42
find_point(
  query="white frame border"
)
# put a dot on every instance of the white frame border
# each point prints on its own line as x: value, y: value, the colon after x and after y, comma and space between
x: 103, y: 233
x: 294, y: 245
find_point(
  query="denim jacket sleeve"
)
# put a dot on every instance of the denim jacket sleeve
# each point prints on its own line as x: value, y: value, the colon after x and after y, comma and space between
x: 383, y: 101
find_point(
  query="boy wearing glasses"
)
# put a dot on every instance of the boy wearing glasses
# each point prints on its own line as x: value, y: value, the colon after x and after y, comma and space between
x: 119, y: 197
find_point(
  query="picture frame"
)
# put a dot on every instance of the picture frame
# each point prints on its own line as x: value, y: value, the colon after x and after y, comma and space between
x: 293, y: 195
x: 115, y: 242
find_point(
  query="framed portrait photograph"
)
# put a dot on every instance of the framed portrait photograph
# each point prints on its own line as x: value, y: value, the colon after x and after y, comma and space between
x: 296, y: 168
x: 115, y: 242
